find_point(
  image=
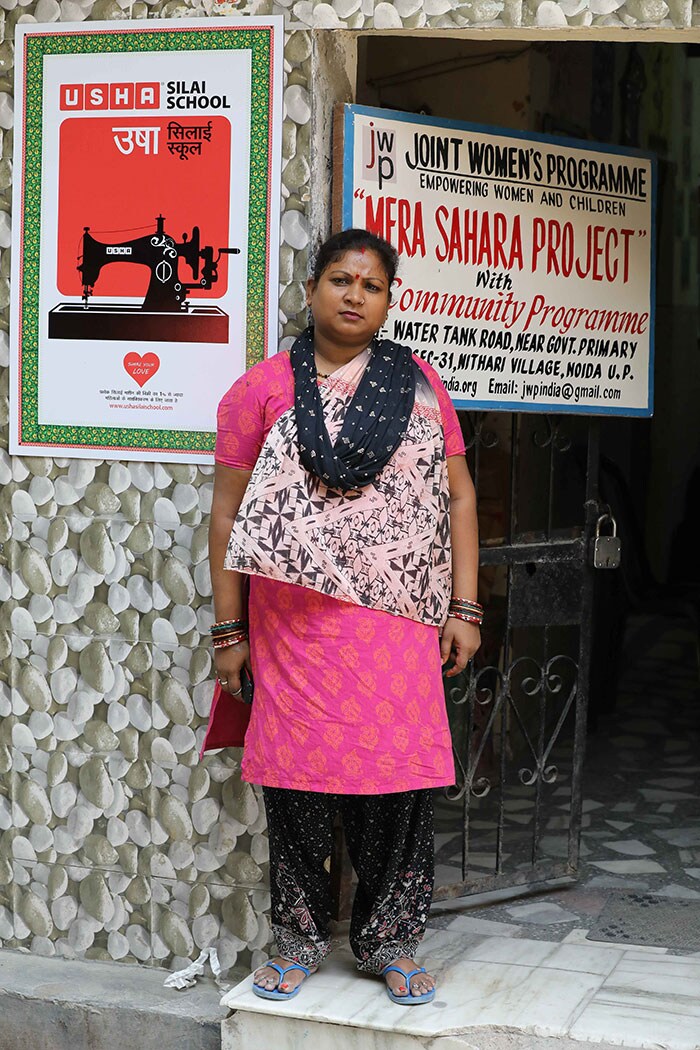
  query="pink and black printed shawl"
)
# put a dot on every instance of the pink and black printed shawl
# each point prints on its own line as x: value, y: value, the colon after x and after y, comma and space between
x: 385, y: 546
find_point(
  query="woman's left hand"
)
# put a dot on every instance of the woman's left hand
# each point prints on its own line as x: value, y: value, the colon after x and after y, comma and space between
x: 459, y: 641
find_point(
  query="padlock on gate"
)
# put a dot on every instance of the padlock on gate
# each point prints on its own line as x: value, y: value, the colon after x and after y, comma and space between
x: 607, y: 550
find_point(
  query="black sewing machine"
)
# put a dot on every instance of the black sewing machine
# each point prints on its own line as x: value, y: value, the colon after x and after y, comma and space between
x: 165, y: 314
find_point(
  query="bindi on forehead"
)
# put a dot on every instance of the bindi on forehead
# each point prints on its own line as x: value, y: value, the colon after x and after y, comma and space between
x: 369, y: 268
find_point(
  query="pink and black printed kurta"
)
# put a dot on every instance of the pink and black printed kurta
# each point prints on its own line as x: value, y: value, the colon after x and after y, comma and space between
x: 347, y: 593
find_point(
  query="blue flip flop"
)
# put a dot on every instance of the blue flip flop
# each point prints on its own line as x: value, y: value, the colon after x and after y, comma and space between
x: 410, y: 999
x: 275, y: 993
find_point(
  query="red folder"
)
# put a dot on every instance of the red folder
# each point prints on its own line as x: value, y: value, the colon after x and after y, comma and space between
x: 228, y: 721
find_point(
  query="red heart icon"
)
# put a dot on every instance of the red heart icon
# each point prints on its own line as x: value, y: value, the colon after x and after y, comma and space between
x: 141, y: 368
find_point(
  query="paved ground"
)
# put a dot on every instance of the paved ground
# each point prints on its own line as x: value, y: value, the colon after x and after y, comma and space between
x: 56, y: 1004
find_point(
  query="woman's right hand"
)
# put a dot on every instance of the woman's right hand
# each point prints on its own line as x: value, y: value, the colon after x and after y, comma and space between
x: 228, y: 663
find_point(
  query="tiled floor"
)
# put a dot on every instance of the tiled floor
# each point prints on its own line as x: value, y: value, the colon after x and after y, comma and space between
x: 518, y: 987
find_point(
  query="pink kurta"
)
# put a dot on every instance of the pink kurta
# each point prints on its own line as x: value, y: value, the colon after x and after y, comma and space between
x: 348, y: 699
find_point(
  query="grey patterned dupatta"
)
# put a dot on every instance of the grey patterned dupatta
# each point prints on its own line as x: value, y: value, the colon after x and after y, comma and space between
x: 375, y: 423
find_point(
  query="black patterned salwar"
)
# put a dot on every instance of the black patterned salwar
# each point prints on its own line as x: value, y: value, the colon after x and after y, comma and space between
x: 390, y: 842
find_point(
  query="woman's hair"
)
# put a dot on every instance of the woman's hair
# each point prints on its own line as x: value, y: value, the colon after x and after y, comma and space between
x: 352, y: 241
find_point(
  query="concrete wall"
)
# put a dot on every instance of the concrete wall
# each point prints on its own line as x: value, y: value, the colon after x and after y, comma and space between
x: 116, y: 843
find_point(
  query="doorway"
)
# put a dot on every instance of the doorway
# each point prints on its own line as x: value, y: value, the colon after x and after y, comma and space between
x: 519, y: 826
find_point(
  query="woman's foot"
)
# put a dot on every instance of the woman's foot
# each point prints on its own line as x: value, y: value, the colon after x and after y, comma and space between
x: 421, y: 984
x: 269, y: 979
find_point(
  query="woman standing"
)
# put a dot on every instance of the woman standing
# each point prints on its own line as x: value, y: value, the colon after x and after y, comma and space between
x: 342, y: 491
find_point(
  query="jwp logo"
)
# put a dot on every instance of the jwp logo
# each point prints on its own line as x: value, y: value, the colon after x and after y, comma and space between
x: 109, y: 96
x: 378, y: 154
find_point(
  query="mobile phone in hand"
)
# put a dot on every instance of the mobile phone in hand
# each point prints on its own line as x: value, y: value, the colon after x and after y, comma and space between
x: 246, y: 686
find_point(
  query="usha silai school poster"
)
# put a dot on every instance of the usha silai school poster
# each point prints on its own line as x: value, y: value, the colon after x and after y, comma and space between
x: 150, y: 197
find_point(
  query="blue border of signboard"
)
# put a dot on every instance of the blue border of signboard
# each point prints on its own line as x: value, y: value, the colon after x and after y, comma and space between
x: 529, y: 136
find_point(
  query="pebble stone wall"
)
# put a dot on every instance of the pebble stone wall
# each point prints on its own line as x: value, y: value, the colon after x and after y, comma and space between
x: 115, y: 842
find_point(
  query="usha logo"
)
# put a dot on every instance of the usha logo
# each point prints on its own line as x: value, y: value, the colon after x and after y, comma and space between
x: 109, y: 96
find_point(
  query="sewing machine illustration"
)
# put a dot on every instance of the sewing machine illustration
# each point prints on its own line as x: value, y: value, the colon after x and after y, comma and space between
x: 165, y: 314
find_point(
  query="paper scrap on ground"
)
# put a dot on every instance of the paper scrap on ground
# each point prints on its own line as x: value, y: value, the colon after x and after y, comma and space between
x: 187, y: 978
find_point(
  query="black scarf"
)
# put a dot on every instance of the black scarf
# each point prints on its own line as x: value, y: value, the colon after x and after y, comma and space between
x: 375, y: 422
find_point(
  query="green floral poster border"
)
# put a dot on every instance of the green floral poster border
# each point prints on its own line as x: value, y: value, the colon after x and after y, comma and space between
x: 258, y: 40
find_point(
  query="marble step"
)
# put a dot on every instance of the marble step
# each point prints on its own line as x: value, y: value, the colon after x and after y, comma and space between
x: 494, y: 993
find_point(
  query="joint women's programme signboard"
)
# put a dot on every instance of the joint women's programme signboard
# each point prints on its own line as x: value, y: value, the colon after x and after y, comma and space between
x: 527, y: 262
x: 146, y: 225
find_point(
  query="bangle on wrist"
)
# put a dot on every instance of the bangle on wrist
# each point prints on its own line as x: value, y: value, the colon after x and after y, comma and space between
x: 229, y: 625
x: 465, y: 618
x: 228, y: 632
x: 466, y: 610
x: 467, y: 607
x: 467, y: 603
x: 226, y: 643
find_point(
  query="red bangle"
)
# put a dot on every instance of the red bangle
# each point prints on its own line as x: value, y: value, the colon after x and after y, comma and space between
x: 226, y: 643
x: 466, y: 618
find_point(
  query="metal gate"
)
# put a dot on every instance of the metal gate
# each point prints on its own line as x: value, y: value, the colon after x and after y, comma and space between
x: 518, y: 714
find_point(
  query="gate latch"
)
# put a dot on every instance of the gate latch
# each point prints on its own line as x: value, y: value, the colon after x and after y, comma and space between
x: 607, y: 550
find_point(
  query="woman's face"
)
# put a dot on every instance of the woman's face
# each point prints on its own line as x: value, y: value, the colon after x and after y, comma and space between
x: 349, y: 301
